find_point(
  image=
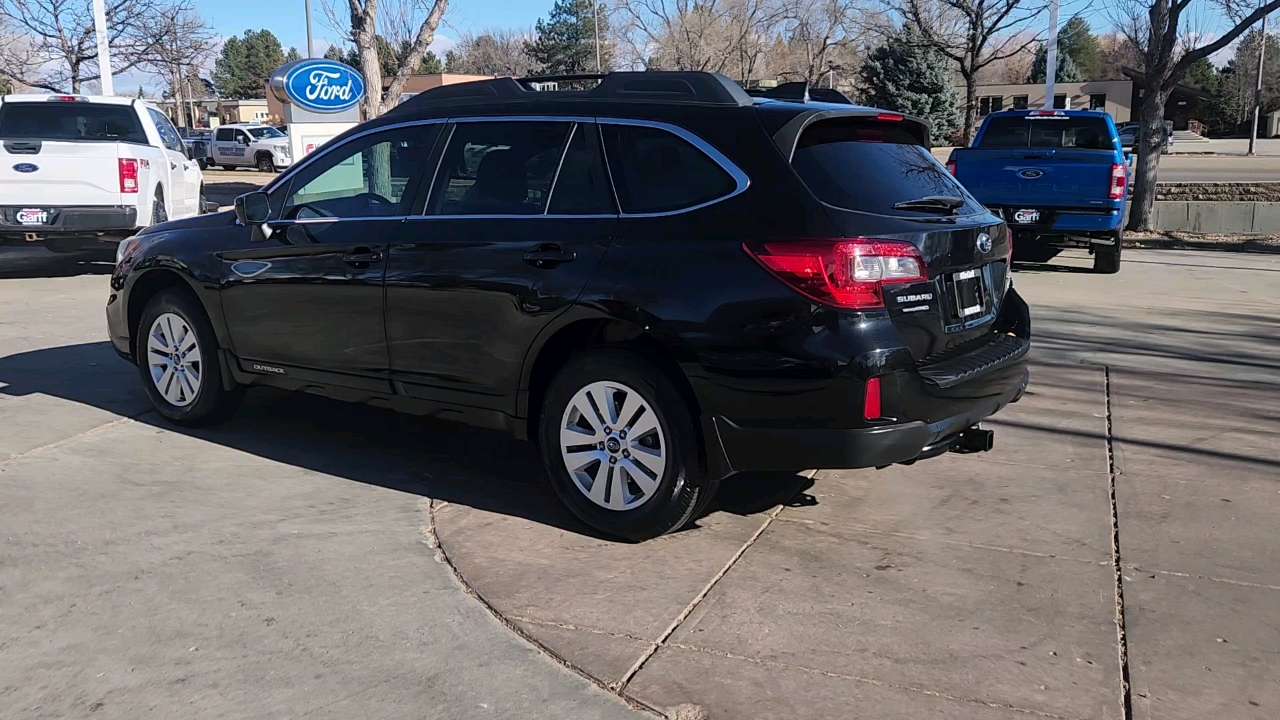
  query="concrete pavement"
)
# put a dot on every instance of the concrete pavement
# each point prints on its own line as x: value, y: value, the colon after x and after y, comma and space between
x: 283, y: 565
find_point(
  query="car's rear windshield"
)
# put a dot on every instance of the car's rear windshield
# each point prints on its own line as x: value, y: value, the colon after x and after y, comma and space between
x: 1046, y: 131
x: 74, y: 121
x: 870, y: 166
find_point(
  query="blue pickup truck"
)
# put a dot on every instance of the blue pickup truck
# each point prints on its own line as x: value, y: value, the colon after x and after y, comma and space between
x: 1058, y: 177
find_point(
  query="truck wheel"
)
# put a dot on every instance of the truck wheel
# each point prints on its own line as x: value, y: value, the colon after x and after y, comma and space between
x: 620, y: 447
x: 265, y: 163
x: 158, y: 213
x: 200, y: 201
x: 228, y: 168
x: 203, y: 163
x: 177, y: 358
x: 1106, y: 258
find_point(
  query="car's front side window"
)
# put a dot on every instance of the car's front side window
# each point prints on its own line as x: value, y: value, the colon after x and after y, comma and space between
x: 373, y: 176
x: 499, y: 168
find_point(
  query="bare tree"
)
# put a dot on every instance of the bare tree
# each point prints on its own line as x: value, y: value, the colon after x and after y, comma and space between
x: 729, y: 36
x: 397, y: 20
x: 493, y: 52
x: 59, y: 51
x: 1168, y: 49
x: 973, y: 34
x: 819, y: 40
x: 181, y: 42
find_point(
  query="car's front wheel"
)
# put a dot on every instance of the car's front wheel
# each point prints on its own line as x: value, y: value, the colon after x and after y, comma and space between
x: 266, y: 164
x: 620, y: 446
x: 177, y: 358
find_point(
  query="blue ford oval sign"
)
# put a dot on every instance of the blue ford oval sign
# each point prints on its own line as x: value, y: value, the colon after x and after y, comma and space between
x: 25, y: 168
x: 323, y: 86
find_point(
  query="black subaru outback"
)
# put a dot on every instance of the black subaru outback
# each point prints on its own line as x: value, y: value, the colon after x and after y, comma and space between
x: 660, y: 280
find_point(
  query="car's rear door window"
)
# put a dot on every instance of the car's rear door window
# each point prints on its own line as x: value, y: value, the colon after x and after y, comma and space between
x: 1046, y: 131
x: 654, y: 170
x: 582, y: 186
x: 70, y: 121
x: 499, y: 168
x: 867, y: 165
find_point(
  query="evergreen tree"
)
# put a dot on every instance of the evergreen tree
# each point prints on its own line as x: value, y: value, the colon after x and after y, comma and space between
x: 292, y: 55
x: 565, y: 42
x: 1077, y: 41
x: 1203, y: 75
x: 909, y: 77
x: 141, y: 93
x: 1067, y: 69
x: 388, y: 57
x: 241, y: 71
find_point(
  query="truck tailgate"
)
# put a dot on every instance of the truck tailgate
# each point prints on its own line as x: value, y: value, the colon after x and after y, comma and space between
x: 1036, y: 178
x: 64, y: 174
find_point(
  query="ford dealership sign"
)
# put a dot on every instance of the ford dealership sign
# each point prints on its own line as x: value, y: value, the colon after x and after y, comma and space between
x: 322, y: 86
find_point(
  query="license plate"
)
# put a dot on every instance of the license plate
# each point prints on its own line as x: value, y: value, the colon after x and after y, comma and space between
x: 1026, y: 217
x: 32, y: 216
x: 968, y: 292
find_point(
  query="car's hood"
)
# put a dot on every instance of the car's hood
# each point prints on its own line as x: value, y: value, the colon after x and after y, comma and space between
x: 226, y: 218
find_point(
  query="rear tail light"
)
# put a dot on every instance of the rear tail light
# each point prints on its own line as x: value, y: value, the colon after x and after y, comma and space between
x: 845, y: 273
x: 67, y: 98
x: 871, y: 400
x: 951, y: 167
x: 1119, y: 181
x: 128, y: 175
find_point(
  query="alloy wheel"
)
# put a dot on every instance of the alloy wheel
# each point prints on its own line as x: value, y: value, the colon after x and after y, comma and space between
x: 174, y: 359
x: 613, y: 446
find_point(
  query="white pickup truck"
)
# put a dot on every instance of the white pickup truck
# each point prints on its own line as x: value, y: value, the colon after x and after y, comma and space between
x: 82, y: 172
x: 250, y: 145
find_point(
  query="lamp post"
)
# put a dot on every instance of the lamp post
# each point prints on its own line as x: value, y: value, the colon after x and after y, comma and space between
x: 311, y: 52
x: 595, y: 20
x: 104, y: 48
x: 1257, y: 92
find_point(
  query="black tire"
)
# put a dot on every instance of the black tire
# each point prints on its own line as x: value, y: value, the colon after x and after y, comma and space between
x: 1106, y: 258
x: 158, y: 212
x: 211, y: 403
x: 680, y: 490
x: 200, y: 201
x: 203, y: 163
x: 228, y: 168
x: 265, y: 163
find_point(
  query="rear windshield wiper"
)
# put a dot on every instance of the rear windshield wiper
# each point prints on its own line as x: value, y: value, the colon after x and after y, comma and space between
x: 941, y: 203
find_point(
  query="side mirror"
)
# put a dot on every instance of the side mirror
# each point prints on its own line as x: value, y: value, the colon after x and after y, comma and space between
x: 253, y: 208
x: 1128, y: 159
x: 242, y: 140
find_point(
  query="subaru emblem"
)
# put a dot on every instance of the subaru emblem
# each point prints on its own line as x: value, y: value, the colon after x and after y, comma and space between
x: 984, y: 243
x: 25, y: 168
x: 1030, y: 173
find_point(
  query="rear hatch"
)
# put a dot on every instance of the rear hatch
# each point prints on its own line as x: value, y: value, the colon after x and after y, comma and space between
x: 1040, y: 161
x: 878, y: 181
x: 56, y: 154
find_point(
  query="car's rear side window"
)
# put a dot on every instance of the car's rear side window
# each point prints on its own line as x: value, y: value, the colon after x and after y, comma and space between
x: 1046, y: 131
x: 655, y: 170
x: 869, y: 166
x: 70, y: 121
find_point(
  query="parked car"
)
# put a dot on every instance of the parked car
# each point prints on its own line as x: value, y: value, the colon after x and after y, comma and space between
x: 1128, y: 133
x: 251, y: 145
x: 660, y: 281
x: 80, y: 172
x: 1059, y: 177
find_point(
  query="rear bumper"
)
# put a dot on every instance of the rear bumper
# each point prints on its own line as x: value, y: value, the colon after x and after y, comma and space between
x: 826, y: 449
x: 69, y: 228
x: 1069, y: 221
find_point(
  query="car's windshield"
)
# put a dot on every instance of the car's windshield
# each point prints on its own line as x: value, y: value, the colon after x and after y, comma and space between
x: 264, y: 133
x: 1082, y: 132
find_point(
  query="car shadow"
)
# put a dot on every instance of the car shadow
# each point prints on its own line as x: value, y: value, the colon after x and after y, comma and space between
x: 445, y: 461
x: 18, y: 262
x: 1044, y: 267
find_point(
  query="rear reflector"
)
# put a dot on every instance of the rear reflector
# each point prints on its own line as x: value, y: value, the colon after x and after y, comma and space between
x: 951, y: 167
x: 128, y: 175
x: 1119, y: 182
x: 848, y: 273
x: 871, y: 400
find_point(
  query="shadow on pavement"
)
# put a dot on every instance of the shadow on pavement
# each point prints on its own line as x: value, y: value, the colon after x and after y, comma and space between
x: 483, y: 469
x: 37, y: 262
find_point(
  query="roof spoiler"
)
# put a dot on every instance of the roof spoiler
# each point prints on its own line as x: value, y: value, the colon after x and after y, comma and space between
x: 803, y: 92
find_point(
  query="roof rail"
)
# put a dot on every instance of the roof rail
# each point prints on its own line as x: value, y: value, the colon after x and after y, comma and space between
x: 801, y: 91
x: 701, y: 88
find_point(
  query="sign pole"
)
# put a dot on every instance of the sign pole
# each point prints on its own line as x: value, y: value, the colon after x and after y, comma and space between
x: 104, y: 48
x: 1051, y: 56
x: 311, y: 51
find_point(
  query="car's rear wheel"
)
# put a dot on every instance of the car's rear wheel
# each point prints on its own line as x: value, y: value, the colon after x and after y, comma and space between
x: 266, y: 164
x: 228, y: 168
x: 177, y: 358
x: 1106, y: 258
x: 620, y: 448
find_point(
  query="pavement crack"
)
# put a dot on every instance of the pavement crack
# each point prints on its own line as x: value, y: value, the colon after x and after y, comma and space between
x: 868, y: 681
x: 697, y: 599
x: 432, y: 539
x: 1122, y: 641
x: 579, y: 628
x: 1193, y: 576
x: 87, y: 433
